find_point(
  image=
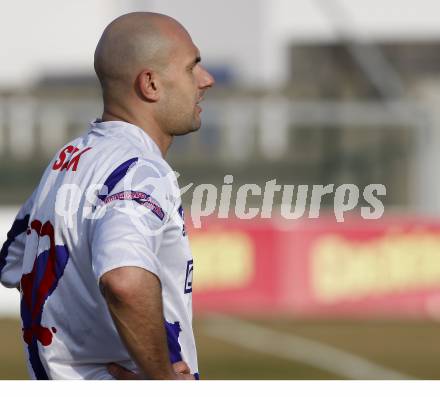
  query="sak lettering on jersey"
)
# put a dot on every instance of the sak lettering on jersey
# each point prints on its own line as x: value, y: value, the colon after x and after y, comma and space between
x: 63, y: 164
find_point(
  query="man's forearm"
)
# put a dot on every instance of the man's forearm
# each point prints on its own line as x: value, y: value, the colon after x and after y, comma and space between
x: 134, y: 298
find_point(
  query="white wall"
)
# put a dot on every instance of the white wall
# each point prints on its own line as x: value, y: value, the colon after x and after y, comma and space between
x: 288, y: 21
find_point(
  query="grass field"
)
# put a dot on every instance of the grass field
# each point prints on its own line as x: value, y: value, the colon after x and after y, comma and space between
x: 232, y: 349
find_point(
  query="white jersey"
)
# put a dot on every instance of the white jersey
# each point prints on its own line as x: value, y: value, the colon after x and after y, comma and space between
x: 108, y: 199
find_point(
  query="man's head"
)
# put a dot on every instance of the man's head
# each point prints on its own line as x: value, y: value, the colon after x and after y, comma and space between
x: 149, y: 68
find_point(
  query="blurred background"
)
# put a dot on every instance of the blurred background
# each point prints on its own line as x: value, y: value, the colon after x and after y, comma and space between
x: 308, y: 92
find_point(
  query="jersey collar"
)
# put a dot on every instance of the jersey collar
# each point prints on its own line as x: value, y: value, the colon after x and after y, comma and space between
x: 127, y: 131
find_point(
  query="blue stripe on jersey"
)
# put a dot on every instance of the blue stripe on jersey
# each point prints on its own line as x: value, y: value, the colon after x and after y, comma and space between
x: 173, y: 330
x: 35, y: 360
x: 19, y: 226
x: 117, y: 174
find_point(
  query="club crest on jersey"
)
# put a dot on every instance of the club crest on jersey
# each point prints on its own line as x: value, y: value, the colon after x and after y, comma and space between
x: 139, y: 197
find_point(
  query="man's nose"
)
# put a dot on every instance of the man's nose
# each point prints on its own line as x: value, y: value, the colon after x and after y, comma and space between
x: 207, y: 79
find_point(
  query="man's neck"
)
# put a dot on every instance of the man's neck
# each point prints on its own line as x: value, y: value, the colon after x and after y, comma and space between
x: 162, y: 140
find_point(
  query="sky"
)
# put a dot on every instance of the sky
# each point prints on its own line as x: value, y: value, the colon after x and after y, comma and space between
x: 53, y: 36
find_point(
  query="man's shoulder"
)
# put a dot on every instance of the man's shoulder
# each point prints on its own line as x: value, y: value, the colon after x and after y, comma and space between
x: 117, y: 164
x: 116, y: 152
x: 108, y: 153
x: 152, y: 174
x: 139, y: 172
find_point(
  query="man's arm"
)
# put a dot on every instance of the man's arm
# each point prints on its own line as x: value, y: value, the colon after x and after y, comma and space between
x: 134, y: 298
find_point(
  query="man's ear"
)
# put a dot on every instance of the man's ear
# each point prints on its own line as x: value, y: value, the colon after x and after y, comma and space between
x: 148, y: 85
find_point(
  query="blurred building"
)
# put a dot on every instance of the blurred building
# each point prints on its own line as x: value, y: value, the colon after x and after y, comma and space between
x: 309, y: 92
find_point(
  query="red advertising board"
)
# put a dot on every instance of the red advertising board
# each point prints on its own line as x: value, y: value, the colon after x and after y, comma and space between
x: 321, y: 268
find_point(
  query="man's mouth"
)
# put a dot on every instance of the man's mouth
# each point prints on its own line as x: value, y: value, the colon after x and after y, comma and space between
x: 198, y: 102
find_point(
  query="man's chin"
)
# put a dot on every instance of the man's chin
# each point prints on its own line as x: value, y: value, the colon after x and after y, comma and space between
x: 195, y: 126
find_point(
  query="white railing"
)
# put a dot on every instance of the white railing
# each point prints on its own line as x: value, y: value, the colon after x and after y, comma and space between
x: 235, y: 129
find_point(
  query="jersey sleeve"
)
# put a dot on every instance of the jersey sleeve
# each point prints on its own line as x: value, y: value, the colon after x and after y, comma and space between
x: 12, y: 252
x: 131, y: 220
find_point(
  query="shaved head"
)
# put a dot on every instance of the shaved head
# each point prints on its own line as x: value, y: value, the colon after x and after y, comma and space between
x: 132, y: 43
x: 150, y: 74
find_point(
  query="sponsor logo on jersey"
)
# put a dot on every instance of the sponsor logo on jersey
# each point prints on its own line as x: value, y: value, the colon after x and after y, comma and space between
x: 141, y: 198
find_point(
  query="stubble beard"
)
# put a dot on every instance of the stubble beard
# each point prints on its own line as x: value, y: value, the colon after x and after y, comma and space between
x: 178, y: 119
x: 186, y: 123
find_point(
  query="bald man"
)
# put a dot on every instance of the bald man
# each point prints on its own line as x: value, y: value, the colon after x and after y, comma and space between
x: 100, y: 251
